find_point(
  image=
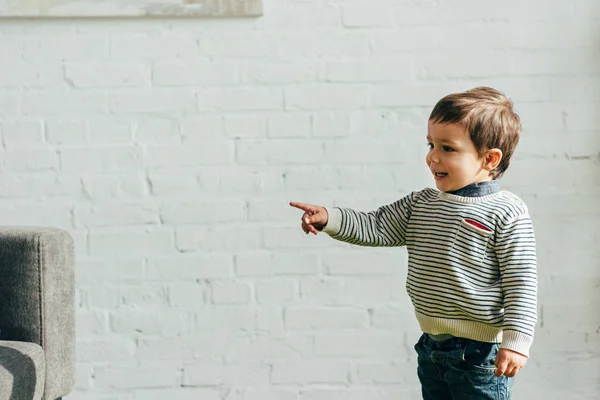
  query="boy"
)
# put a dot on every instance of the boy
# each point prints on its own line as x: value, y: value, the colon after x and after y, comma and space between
x: 472, y: 263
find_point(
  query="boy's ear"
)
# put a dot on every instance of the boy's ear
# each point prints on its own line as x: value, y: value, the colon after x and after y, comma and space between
x: 492, y: 159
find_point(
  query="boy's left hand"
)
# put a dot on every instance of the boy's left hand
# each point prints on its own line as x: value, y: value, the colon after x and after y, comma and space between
x: 509, y: 362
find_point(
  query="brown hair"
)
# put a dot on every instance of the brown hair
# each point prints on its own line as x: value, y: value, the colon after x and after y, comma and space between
x: 489, y: 118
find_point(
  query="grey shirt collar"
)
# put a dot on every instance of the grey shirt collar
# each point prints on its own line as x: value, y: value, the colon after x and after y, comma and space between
x: 478, y: 189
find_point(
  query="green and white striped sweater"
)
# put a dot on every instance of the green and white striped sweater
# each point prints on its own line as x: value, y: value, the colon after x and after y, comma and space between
x: 471, y: 261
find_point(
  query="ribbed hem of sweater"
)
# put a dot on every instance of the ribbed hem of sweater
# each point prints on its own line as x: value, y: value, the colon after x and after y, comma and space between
x: 511, y: 340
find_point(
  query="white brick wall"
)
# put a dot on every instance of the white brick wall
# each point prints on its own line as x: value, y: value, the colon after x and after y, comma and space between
x: 171, y: 148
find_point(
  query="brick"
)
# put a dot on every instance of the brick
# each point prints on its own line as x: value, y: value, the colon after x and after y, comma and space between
x: 333, y: 97
x: 131, y: 242
x: 138, y: 377
x: 298, y: 71
x: 372, y: 14
x: 310, y: 372
x: 360, y: 345
x: 240, y: 99
x: 111, y: 349
x: 388, y: 69
x: 61, y: 103
x: 157, y: 130
x: 365, y: 152
x: 182, y: 393
x: 200, y: 129
x: 151, y: 47
x: 310, y: 178
x: 290, y: 125
x: 22, y: 132
x: 64, y: 46
x: 362, y: 262
x: 182, y: 73
x: 30, y: 159
x: 245, y: 126
x: 41, y: 184
x: 100, y: 158
x: 30, y: 75
x: 158, y: 321
x: 152, y: 101
x: 215, y: 153
x: 224, y: 292
x: 107, y: 74
x: 192, y: 267
x: 311, y: 318
x: 268, y: 264
x: 275, y: 292
x: 205, y: 212
x: 148, y: 296
x: 271, y: 394
x: 277, y: 152
x: 110, y: 271
x: 10, y: 103
x: 90, y: 323
x: 219, y: 238
x: 186, y: 295
x: 331, y: 125
x: 173, y: 184
x: 114, y: 185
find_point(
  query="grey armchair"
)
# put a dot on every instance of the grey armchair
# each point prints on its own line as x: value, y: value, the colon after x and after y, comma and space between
x: 37, y: 313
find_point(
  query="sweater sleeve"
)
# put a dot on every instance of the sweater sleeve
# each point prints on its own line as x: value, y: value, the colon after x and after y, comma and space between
x: 516, y: 254
x: 385, y: 226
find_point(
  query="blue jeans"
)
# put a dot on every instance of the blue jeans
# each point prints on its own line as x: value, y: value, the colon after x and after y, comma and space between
x: 460, y: 369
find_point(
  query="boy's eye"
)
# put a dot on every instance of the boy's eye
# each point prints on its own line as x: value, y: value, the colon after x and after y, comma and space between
x: 430, y: 145
x: 447, y: 148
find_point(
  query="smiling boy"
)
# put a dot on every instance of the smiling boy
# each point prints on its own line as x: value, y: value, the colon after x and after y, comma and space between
x: 472, y: 261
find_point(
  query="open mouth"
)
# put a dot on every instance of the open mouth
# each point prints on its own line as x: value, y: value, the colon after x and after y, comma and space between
x: 440, y: 174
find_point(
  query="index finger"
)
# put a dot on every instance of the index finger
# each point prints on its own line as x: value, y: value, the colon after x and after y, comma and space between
x: 302, y: 206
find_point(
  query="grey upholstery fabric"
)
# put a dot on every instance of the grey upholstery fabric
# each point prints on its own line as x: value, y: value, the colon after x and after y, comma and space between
x: 37, y: 296
x: 22, y: 371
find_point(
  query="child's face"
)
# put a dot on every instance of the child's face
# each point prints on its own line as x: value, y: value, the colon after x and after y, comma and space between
x: 452, y: 158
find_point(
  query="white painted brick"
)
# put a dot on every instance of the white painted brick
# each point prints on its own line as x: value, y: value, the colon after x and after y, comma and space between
x: 66, y: 131
x: 219, y: 238
x: 226, y: 319
x: 270, y: 210
x: 197, y: 267
x: 151, y: 47
x: 206, y: 212
x: 196, y: 129
x: 371, y: 14
x: 100, y: 158
x: 245, y: 126
x: 22, y: 132
x: 401, y: 372
x: 154, y: 349
x: 30, y: 159
x: 408, y: 38
x: 114, y: 185
x: 310, y: 178
x: 182, y: 73
x: 387, y: 346
x: 110, y: 349
x: 232, y: 292
x: 294, y: 238
x: 236, y: 181
x: 83, y: 376
x: 311, y: 45
x: 363, y: 262
x: 275, y: 292
x: 101, y: 272
x: 378, y: 69
x: 131, y: 241
x: 40, y: 184
x: 156, y: 321
x: 325, y: 318
x: 88, y: 395
x: 266, y: 264
x: 173, y: 184
x: 10, y: 103
x: 366, y: 178
x: 245, y: 45
x: 157, y: 130
x: 333, y: 96
x: 28, y: 213
x: 310, y: 372
x: 187, y: 294
x: 278, y: 151
x: 143, y: 296
x: 281, y: 73
x: 301, y: 15
x: 142, y: 377
x: 213, y: 373
x: 271, y: 394
x: 90, y: 323
x: 60, y: 103
x: 103, y: 75
x: 30, y: 75
x: 490, y: 64
x: 182, y: 393
x: 240, y: 99
x: 290, y: 125
x: 215, y: 153
x: 365, y: 152
x: 105, y: 297
x: 152, y: 101
x: 65, y: 46
x: 331, y: 125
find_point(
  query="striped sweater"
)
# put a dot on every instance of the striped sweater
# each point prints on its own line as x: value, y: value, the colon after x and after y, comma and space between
x: 471, y: 261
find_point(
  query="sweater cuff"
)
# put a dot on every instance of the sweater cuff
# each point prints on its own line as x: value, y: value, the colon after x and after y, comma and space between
x: 334, y: 221
x: 516, y: 341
